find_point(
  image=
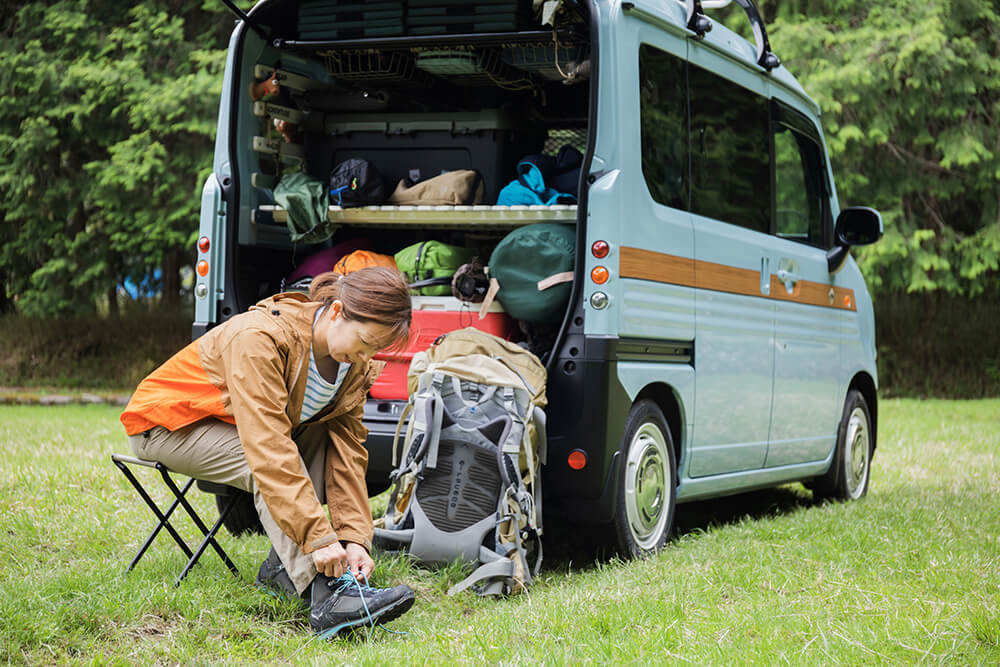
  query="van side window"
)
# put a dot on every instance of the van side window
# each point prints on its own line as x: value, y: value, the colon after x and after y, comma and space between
x: 730, y: 152
x: 800, y: 192
x: 663, y: 123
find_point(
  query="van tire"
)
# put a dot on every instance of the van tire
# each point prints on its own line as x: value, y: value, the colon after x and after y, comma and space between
x: 850, y: 470
x: 243, y: 518
x: 647, y: 486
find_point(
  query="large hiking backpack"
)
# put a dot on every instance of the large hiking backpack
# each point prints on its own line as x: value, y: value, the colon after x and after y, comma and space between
x: 468, y: 484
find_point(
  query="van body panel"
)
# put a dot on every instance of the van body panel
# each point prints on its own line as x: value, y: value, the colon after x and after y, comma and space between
x: 213, y: 226
x: 680, y: 378
x: 740, y: 482
x: 221, y: 163
x: 807, y: 357
x: 734, y: 342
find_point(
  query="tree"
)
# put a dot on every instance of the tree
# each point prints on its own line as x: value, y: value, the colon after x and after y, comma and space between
x: 911, y: 93
x: 106, y: 137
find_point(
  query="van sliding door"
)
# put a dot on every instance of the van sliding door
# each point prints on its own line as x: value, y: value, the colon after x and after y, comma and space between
x: 734, y: 318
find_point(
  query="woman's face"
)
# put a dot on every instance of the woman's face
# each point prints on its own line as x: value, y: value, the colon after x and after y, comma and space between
x: 353, y: 341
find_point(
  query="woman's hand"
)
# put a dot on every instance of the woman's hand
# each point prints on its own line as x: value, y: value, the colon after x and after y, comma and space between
x: 331, y: 560
x: 358, y: 560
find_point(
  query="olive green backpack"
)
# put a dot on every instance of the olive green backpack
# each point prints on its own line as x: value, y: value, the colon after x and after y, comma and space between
x: 429, y: 266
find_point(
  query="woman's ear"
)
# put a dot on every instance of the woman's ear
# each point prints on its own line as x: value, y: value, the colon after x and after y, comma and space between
x: 336, y: 309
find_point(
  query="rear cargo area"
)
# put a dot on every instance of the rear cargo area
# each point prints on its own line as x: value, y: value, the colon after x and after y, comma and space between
x: 414, y: 89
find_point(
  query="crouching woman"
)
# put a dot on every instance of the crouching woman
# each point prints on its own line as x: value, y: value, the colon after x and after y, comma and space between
x: 271, y: 402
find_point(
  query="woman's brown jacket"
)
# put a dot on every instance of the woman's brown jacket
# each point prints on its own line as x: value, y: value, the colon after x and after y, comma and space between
x: 251, y: 371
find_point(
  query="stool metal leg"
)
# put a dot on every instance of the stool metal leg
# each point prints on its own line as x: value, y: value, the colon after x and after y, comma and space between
x: 210, y: 538
x: 209, y: 534
x: 163, y: 517
x: 180, y: 500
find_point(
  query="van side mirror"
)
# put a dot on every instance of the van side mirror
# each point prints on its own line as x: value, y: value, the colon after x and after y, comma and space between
x: 856, y: 225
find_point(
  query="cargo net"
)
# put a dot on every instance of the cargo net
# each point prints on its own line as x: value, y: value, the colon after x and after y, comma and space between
x: 370, y: 65
x: 559, y: 137
x: 471, y: 66
x: 555, y: 61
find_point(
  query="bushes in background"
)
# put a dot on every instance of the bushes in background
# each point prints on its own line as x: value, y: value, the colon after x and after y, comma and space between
x: 929, y: 345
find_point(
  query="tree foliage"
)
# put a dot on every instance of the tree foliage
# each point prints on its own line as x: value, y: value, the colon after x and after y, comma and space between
x: 911, y: 97
x: 109, y: 109
x: 105, y: 134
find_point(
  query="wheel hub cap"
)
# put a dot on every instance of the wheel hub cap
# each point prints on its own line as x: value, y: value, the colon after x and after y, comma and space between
x: 646, y: 490
x: 857, y: 451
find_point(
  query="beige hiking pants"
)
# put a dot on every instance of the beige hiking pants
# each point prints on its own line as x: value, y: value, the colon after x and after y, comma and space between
x: 211, y: 450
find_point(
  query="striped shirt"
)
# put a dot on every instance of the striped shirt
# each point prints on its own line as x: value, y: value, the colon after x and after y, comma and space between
x: 319, y: 392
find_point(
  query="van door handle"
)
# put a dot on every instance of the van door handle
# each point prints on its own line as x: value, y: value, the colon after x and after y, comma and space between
x: 765, y: 275
x: 789, y: 279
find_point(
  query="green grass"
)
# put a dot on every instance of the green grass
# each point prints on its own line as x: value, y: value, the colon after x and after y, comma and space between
x: 911, y: 574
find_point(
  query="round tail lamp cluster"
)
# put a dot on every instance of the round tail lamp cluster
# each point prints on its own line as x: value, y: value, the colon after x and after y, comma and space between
x: 600, y: 275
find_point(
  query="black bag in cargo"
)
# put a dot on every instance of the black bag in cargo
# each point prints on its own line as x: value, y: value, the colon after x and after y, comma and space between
x: 356, y: 182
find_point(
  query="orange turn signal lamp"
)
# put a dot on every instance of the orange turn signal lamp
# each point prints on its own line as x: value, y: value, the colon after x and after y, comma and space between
x: 202, y: 268
x: 577, y: 459
x: 599, y: 275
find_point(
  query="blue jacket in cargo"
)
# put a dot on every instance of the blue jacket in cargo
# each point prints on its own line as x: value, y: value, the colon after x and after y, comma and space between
x: 544, y: 180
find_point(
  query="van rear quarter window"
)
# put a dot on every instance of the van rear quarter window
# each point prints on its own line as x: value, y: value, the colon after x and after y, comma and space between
x: 663, y: 123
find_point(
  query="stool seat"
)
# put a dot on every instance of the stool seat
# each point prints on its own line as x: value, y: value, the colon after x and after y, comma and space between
x: 124, y: 464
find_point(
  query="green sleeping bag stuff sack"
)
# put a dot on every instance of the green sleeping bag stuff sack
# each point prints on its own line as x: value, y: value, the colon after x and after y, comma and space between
x: 531, y: 270
x: 429, y: 266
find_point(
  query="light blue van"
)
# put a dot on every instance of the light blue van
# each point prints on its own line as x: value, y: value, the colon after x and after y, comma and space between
x: 718, y: 336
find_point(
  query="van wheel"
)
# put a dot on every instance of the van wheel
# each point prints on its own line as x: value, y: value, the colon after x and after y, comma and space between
x: 847, y: 478
x: 647, y: 489
x: 243, y: 518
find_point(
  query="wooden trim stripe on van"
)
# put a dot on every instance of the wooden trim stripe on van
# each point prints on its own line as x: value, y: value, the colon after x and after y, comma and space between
x: 663, y: 268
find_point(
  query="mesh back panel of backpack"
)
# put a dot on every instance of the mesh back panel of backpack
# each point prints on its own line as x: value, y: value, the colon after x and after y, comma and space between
x: 463, y: 488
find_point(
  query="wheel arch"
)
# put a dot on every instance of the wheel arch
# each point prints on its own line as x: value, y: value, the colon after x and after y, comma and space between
x: 865, y: 384
x: 670, y: 405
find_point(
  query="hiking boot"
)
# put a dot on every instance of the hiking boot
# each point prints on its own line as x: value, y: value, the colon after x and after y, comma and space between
x: 274, y: 580
x: 346, y: 602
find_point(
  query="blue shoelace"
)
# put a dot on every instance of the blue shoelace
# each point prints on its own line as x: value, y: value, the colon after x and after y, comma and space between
x: 345, y: 580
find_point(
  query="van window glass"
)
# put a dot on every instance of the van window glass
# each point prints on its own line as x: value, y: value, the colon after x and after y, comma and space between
x: 798, y: 187
x: 663, y: 122
x: 730, y: 152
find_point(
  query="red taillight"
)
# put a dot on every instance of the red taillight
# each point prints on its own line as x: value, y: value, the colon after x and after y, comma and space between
x: 204, y: 244
x: 600, y: 249
x: 577, y: 459
x: 202, y: 268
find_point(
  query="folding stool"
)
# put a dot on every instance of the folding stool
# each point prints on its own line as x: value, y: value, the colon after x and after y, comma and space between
x: 123, y: 462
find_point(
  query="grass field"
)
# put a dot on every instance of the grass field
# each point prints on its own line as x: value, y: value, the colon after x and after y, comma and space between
x: 911, y: 574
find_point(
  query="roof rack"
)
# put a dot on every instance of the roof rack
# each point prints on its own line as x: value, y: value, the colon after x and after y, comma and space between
x: 699, y: 23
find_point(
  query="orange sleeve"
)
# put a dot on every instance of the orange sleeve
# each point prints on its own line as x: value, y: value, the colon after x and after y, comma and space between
x: 174, y: 395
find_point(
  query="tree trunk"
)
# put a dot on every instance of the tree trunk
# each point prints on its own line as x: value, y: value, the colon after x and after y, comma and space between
x: 171, y: 279
x: 113, y: 311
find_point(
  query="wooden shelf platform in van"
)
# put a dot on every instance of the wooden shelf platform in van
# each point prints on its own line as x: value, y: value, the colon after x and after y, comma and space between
x: 443, y: 216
